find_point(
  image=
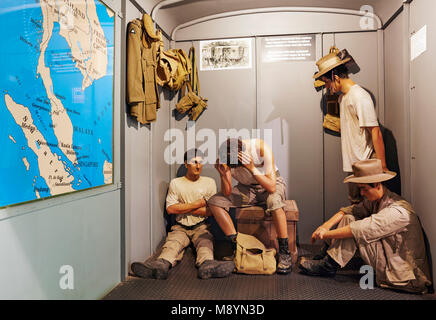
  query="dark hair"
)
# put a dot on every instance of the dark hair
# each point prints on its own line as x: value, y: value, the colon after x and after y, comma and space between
x: 340, y: 71
x: 191, y: 154
x: 373, y: 185
x: 229, y: 150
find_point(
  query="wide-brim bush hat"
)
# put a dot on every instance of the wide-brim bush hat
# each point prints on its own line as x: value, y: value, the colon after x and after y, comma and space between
x: 149, y: 27
x: 369, y: 171
x: 334, y: 59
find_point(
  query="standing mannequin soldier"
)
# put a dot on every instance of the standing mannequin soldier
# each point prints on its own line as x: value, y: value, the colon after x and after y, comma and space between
x: 361, y: 137
x: 251, y: 163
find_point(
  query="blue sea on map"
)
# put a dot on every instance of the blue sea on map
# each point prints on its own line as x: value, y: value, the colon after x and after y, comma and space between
x: 90, y: 111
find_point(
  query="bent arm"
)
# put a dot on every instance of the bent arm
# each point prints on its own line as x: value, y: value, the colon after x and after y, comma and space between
x: 225, y: 177
x: 226, y: 183
x: 204, y: 212
x: 379, y: 146
x: 385, y: 223
x: 324, y: 230
x: 267, y: 179
x: 333, y: 220
x: 184, y: 208
x: 341, y: 233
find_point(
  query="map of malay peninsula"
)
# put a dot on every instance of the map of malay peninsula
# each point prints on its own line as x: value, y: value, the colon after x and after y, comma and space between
x: 56, y: 98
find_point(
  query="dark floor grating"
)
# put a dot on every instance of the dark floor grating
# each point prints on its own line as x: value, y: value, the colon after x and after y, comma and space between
x: 183, y: 284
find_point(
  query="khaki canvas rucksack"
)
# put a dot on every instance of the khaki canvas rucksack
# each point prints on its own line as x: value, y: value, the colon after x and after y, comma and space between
x: 252, y: 257
x: 173, y: 69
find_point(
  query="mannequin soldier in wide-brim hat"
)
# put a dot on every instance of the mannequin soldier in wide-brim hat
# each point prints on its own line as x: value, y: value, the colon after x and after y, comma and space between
x: 361, y: 137
x: 383, y: 228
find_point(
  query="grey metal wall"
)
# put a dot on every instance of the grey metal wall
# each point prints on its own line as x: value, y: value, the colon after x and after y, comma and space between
x: 146, y: 175
x: 367, y: 48
x: 231, y: 98
x: 283, y: 98
x: 397, y: 115
x: 289, y: 105
x: 363, y: 46
x: 137, y: 177
x: 423, y: 114
x: 82, y: 232
x: 410, y: 108
x: 190, y: 10
x: 81, y: 229
x: 265, y: 24
x: 271, y: 96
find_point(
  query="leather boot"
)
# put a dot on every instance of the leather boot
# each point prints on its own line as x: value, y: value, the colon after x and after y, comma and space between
x: 325, y: 267
x: 157, y: 269
x: 322, y: 253
x: 215, y: 269
x: 232, y: 239
x: 284, y: 263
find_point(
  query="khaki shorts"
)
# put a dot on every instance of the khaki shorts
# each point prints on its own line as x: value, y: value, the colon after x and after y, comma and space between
x: 249, y: 195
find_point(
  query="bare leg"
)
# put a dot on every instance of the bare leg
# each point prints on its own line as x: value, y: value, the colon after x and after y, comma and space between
x: 223, y: 219
x: 279, y: 218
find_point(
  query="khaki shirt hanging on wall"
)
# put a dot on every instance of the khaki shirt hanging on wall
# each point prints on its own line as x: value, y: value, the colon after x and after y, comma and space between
x: 142, y: 52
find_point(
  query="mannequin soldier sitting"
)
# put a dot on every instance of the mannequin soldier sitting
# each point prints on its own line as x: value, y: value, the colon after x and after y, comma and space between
x: 186, y: 199
x: 251, y: 163
x: 383, y: 228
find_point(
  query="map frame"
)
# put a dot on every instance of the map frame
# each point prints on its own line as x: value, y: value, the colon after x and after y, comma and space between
x: 104, y: 185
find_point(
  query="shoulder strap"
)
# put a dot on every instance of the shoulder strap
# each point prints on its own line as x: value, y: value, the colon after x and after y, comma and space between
x: 183, y: 89
x: 193, y: 77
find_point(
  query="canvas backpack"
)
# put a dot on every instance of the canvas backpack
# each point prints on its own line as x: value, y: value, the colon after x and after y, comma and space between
x: 174, y: 68
x: 252, y: 257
